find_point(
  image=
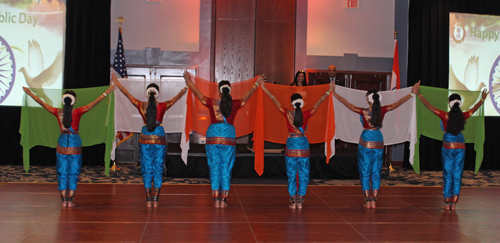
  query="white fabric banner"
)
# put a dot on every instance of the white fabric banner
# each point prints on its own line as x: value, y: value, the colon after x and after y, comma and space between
x: 398, y: 126
x: 127, y: 117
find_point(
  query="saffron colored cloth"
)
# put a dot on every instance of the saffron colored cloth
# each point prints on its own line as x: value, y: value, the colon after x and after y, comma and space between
x: 153, y: 149
x: 428, y: 124
x: 198, y: 115
x: 39, y: 127
x: 259, y: 114
x: 272, y: 127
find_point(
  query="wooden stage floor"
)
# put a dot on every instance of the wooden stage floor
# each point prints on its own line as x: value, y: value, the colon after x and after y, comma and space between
x: 30, y: 212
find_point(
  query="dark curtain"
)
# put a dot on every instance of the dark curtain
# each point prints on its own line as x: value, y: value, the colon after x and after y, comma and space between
x: 428, y: 54
x: 86, y: 64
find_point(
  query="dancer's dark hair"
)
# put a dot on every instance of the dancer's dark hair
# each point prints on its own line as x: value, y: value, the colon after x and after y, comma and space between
x: 295, y: 82
x: 226, y: 101
x: 67, y: 109
x: 151, y: 123
x: 376, y: 120
x: 456, y: 121
x: 298, y: 119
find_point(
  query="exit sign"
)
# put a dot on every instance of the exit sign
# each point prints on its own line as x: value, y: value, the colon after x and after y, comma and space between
x: 351, y: 4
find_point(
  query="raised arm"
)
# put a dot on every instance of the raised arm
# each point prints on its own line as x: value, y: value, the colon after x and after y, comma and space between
x: 278, y: 104
x: 262, y: 78
x: 122, y: 89
x: 426, y: 103
x: 342, y: 100
x: 101, y: 97
x: 37, y: 100
x: 179, y: 95
x: 414, y: 90
x: 191, y: 85
x: 322, y: 98
x: 484, y: 94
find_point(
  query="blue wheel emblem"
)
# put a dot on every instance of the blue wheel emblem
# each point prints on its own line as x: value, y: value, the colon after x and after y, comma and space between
x: 494, y: 84
x: 7, y: 69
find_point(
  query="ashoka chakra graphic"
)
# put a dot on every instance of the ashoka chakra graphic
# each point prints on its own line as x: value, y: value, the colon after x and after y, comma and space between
x: 7, y: 69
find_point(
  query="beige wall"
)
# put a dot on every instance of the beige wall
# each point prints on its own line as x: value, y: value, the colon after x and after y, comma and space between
x: 333, y: 30
x: 172, y: 25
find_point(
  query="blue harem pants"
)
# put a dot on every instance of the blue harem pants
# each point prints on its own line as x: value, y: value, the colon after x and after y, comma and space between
x: 152, y: 156
x: 297, y: 165
x: 453, y: 165
x: 68, y: 164
x: 220, y: 157
x: 370, y: 160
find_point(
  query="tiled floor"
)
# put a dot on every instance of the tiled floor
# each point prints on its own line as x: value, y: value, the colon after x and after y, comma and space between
x: 30, y: 212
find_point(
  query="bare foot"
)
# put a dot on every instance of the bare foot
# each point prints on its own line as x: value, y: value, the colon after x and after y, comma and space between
x: 217, y: 203
x: 446, y: 206
x: 156, y: 204
x: 71, y: 204
x: 64, y: 204
x: 453, y: 205
x: 374, y: 204
x: 367, y: 205
x: 293, y: 205
x: 299, y: 205
x: 149, y: 204
x: 223, y: 204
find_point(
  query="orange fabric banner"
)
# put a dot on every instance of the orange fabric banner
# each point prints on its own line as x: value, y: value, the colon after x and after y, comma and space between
x: 198, y: 116
x: 275, y: 123
x: 261, y: 116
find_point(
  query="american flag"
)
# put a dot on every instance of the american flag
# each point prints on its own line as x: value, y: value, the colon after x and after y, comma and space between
x: 120, y: 71
x: 120, y: 66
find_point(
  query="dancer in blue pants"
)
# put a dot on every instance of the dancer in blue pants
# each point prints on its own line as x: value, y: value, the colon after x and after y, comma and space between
x: 221, y: 135
x: 453, y: 149
x: 69, y: 144
x: 371, y: 142
x: 153, y: 143
x: 297, y: 146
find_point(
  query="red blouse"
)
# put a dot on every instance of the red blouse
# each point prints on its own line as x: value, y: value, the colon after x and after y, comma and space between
x: 444, y: 117
x: 76, y: 115
x: 161, y: 107
x: 290, y: 116
x: 215, y: 112
x: 367, y: 117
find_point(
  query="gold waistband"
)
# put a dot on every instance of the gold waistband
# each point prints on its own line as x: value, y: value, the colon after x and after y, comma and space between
x: 221, y: 140
x: 297, y: 152
x: 69, y: 150
x: 68, y: 132
x: 153, y: 139
x: 371, y: 129
x: 453, y: 145
x: 371, y: 144
x: 293, y: 135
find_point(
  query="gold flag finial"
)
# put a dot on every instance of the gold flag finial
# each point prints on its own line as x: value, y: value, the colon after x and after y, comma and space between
x: 395, y: 33
x: 120, y: 20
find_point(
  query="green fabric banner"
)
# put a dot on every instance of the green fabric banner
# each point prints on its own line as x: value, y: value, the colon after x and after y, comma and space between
x: 428, y: 124
x: 39, y: 127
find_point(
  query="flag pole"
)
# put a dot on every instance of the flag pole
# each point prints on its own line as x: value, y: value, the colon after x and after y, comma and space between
x: 120, y: 20
x: 392, y: 169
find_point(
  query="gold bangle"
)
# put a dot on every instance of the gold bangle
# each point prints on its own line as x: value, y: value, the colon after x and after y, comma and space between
x: 482, y: 100
x: 420, y: 96
x: 120, y: 88
x: 190, y: 84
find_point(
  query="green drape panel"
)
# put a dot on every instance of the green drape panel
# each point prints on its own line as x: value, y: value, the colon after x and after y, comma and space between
x: 428, y: 124
x: 39, y: 127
